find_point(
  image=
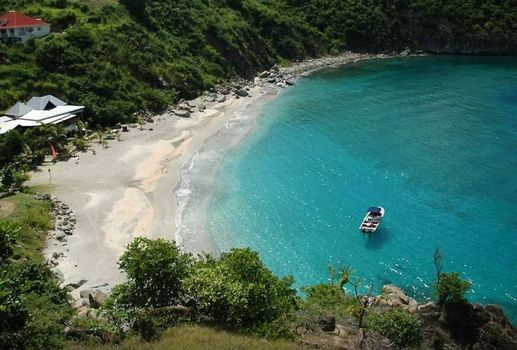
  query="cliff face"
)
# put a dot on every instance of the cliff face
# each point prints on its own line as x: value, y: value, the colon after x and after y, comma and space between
x: 458, y: 326
x: 471, y: 45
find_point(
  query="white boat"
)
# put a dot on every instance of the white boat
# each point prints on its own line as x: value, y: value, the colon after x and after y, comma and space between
x: 372, y: 220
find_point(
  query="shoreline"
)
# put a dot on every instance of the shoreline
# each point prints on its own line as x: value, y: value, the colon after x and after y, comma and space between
x: 131, y: 188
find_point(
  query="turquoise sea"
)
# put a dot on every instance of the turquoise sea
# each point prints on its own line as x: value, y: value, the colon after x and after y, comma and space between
x: 432, y: 139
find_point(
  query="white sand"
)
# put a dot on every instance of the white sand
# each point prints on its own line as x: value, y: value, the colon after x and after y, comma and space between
x: 127, y: 190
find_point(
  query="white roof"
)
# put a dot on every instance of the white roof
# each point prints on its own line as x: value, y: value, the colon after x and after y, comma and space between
x: 53, y: 120
x: 35, y: 118
x: 7, y: 124
x: 44, y: 116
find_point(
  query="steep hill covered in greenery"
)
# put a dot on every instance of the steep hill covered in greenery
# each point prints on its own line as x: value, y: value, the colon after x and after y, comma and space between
x: 118, y: 57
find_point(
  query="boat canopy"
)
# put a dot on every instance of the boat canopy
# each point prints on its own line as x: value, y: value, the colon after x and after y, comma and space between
x: 376, y: 210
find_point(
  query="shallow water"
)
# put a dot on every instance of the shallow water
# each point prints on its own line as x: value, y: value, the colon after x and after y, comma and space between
x: 432, y: 139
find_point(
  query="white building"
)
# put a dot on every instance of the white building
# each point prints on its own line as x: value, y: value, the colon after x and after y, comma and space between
x: 40, y: 111
x: 15, y: 26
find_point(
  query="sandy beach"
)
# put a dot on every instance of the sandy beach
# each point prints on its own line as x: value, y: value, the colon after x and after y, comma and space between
x: 128, y: 189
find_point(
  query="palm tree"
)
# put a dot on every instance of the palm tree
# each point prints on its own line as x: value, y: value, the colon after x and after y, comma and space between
x: 45, y: 136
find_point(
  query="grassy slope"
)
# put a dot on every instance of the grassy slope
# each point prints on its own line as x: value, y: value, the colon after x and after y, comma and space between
x: 34, y: 219
x: 192, y: 338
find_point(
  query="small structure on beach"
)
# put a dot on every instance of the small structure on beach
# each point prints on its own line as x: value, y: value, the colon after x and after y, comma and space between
x: 15, y: 26
x: 40, y: 110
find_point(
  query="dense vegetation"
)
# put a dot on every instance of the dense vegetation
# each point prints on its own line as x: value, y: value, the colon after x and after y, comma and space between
x: 167, y: 288
x: 117, y: 58
x: 33, y: 308
x: 235, y: 289
x: 399, y: 326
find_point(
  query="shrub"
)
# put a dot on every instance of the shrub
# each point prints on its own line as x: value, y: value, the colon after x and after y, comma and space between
x: 11, y: 145
x: 328, y: 299
x: 398, y: 326
x: 147, y: 326
x: 7, y: 239
x: 6, y: 177
x: 451, y: 288
x: 20, y: 177
x: 13, y: 316
x: 155, y: 270
x: 240, y: 291
x: 80, y: 144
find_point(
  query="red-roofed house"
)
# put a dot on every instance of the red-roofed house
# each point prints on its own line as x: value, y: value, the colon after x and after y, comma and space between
x: 15, y: 26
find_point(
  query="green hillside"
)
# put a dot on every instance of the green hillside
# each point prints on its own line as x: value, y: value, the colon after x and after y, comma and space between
x: 118, y: 57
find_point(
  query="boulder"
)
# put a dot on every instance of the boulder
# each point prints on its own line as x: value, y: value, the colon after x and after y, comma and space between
x: 78, y: 333
x: 77, y: 284
x: 86, y: 292
x: 264, y: 74
x: 327, y: 323
x: 97, y: 298
x: 375, y: 341
x: 242, y: 93
x: 183, y: 113
x: 428, y: 308
x: 393, y: 296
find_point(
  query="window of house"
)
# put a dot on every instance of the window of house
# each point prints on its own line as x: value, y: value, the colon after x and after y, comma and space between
x: 30, y: 29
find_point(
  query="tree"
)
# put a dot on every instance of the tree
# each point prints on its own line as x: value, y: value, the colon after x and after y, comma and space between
x: 345, y: 277
x: 437, y: 258
x: 451, y: 288
x: 363, y: 301
x: 240, y: 291
x: 155, y: 271
x: 44, y: 136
